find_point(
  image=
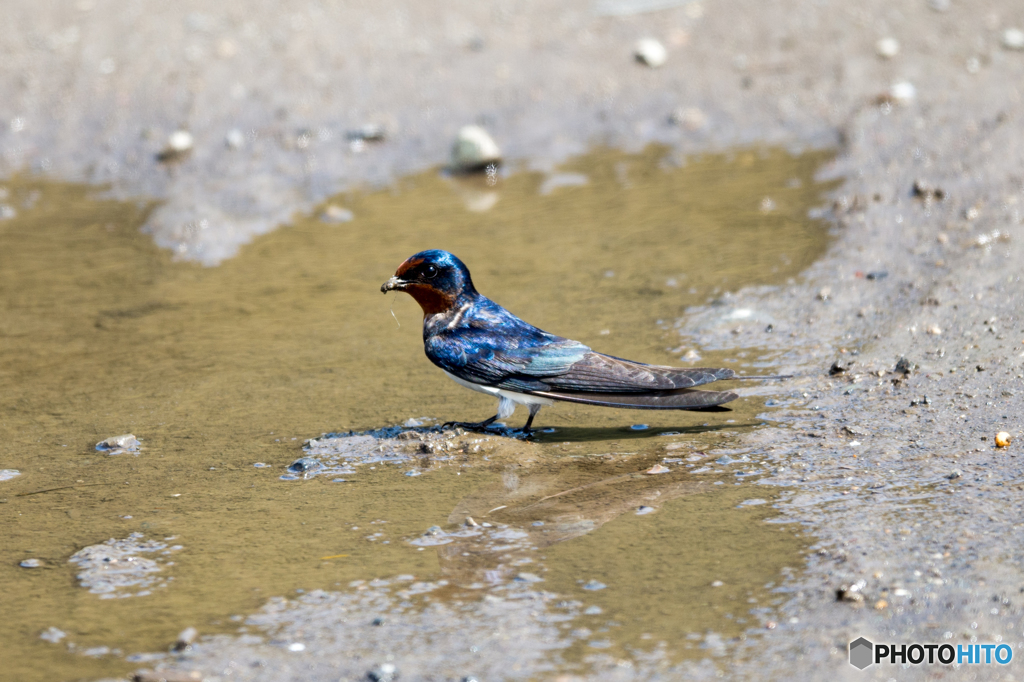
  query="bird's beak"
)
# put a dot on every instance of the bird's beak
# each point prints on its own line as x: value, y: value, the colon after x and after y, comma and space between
x: 393, y: 284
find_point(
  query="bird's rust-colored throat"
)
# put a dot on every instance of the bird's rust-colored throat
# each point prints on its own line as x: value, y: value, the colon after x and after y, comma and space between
x: 430, y: 299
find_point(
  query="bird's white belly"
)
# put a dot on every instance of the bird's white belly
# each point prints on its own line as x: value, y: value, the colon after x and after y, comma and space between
x: 518, y: 398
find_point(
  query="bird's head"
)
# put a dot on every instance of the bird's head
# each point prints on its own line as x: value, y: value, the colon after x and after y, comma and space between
x: 435, y: 278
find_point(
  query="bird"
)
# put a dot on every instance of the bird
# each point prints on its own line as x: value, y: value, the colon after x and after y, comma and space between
x: 482, y: 346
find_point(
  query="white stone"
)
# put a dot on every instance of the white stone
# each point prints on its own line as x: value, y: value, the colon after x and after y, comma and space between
x: 235, y: 138
x: 903, y: 92
x: 887, y: 48
x: 1013, y: 39
x: 180, y: 141
x: 650, y: 52
x: 474, y: 149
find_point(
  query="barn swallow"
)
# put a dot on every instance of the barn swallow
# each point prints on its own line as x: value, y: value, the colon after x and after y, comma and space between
x: 484, y: 347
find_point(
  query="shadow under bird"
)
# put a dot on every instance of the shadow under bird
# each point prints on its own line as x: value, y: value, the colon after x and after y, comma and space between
x: 484, y: 347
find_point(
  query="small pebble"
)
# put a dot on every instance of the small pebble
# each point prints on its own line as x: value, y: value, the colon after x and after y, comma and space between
x: 955, y: 474
x: 640, y: 511
x: 31, y: 563
x: 690, y: 118
x: 370, y: 132
x: 887, y: 48
x: 594, y: 585
x: 650, y: 52
x: 934, y: 330
x: 902, y: 93
x: 528, y: 578
x: 179, y: 143
x: 471, y: 522
x: 658, y: 469
x: 851, y: 593
x: 296, y: 646
x: 261, y: 465
x: 52, y: 635
x: 839, y: 367
x: 474, y: 150
x: 386, y: 672
x: 304, y: 465
x: 118, y: 445
x: 185, y: 639
x: 903, y: 366
x: 1013, y: 39
x: 717, y: 583
x: 1003, y: 439
x: 234, y: 139
x: 434, y: 530
x: 336, y: 214
x: 924, y: 190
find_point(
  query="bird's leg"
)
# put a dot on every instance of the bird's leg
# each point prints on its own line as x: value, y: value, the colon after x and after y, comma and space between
x: 471, y: 426
x: 534, y: 409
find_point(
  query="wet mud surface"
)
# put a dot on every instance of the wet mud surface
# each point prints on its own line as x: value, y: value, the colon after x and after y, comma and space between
x: 911, y: 514
x: 225, y: 496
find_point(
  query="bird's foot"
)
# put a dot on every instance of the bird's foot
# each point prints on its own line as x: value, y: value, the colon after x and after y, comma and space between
x: 469, y: 426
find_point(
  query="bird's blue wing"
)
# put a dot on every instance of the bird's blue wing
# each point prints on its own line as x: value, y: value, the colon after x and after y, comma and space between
x: 495, y: 348
x: 518, y: 364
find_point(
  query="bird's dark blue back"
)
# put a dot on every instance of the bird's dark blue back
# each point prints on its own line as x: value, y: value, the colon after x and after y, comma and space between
x: 480, y: 341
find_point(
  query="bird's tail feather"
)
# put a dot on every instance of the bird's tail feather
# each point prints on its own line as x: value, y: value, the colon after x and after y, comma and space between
x: 684, y: 399
x: 763, y: 378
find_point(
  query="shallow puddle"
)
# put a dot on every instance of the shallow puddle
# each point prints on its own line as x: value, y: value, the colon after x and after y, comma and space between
x: 216, y: 370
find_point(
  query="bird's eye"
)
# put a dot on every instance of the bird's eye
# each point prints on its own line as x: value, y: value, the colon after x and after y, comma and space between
x: 430, y: 272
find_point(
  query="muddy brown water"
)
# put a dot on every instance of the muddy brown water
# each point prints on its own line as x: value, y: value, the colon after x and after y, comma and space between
x: 216, y: 369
